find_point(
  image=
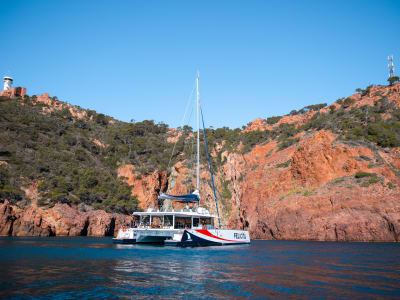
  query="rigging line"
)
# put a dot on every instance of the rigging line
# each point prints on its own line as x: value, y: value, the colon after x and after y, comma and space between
x: 191, y: 153
x: 209, y: 162
x: 183, y: 120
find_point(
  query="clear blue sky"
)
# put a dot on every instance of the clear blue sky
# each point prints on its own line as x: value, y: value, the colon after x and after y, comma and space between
x: 138, y: 59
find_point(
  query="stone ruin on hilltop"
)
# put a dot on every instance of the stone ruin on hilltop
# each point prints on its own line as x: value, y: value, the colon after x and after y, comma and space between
x: 12, y: 92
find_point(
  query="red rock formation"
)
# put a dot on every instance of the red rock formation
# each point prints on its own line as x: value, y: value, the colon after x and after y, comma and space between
x: 344, y: 212
x: 146, y: 187
x: 174, y: 135
x: 60, y: 220
x: 258, y: 124
x: 307, y: 191
x: 52, y: 105
x: 295, y: 202
x: 14, y: 92
x: 7, y: 218
x: 298, y: 120
x: 99, y: 143
x: 375, y: 94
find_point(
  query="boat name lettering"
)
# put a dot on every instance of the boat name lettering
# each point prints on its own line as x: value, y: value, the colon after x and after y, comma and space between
x: 239, y: 236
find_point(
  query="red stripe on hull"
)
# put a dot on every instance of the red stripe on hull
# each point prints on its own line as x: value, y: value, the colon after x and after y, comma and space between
x: 207, y: 233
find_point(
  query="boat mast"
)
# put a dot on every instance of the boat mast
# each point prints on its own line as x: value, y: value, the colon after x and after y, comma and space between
x: 198, y: 134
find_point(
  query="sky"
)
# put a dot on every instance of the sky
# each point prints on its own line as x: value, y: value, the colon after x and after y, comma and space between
x: 138, y: 59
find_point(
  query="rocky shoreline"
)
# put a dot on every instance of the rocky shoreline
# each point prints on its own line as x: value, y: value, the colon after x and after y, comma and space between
x: 342, y: 220
x: 60, y: 220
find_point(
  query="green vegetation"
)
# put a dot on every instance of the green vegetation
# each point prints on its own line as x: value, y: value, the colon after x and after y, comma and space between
x: 362, y: 174
x: 347, y: 102
x: 392, y: 80
x: 76, y: 160
x: 364, y: 157
x: 362, y: 124
x: 283, y: 165
x: 269, y: 153
x: 273, y: 120
x: 7, y: 189
x: 226, y: 196
x: 338, y: 180
x: 287, y: 143
x: 285, y: 135
x: 232, y: 138
x: 365, y: 179
x: 365, y: 91
x: 58, y: 151
x: 315, y: 107
x: 293, y: 192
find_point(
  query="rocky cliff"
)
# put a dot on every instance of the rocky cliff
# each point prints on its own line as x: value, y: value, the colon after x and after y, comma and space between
x: 321, y: 188
x: 327, y: 173
x: 60, y: 220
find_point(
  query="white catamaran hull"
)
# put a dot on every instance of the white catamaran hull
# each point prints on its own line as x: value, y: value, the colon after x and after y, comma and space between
x: 148, y: 236
x: 190, y: 237
x: 214, y: 237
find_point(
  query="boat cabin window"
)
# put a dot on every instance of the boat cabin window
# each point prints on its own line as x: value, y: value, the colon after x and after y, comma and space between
x: 168, y: 220
x: 208, y: 222
x: 156, y: 222
x: 145, y: 221
x: 196, y: 222
x: 135, y: 222
x: 183, y: 222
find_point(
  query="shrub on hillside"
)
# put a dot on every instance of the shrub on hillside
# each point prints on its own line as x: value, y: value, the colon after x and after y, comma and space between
x: 287, y: 143
x: 347, y: 102
x: 284, y: 165
x: 392, y: 80
x: 362, y: 174
x: 8, y: 191
x: 315, y: 107
x: 273, y: 120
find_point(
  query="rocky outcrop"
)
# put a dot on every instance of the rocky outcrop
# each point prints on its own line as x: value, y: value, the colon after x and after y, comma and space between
x: 144, y: 186
x: 309, y: 192
x: 333, y: 213
x: 14, y: 92
x: 391, y: 94
x: 305, y: 192
x: 52, y: 104
x: 7, y: 218
x: 258, y: 124
x: 60, y: 220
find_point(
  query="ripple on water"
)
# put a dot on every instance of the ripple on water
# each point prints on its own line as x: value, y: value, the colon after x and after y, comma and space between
x: 63, y: 268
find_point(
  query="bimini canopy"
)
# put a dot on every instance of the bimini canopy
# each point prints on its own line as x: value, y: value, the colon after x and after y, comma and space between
x: 188, y: 198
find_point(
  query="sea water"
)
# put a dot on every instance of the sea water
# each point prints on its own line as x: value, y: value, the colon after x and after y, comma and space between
x: 87, y: 268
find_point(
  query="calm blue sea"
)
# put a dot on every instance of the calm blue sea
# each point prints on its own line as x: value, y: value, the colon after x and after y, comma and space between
x: 87, y: 268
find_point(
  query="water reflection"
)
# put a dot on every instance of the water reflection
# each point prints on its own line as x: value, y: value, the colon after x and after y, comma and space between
x: 71, y: 268
x: 166, y: 273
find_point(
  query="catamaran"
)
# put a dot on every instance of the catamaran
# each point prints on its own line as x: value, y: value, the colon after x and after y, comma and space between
x: 192, y: 225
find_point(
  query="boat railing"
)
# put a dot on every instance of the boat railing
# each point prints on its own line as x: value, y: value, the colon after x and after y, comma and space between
x: 153, y: 226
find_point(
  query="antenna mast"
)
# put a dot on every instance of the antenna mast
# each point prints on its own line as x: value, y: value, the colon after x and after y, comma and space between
x: 198, y: 134
x: 391, y: 66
